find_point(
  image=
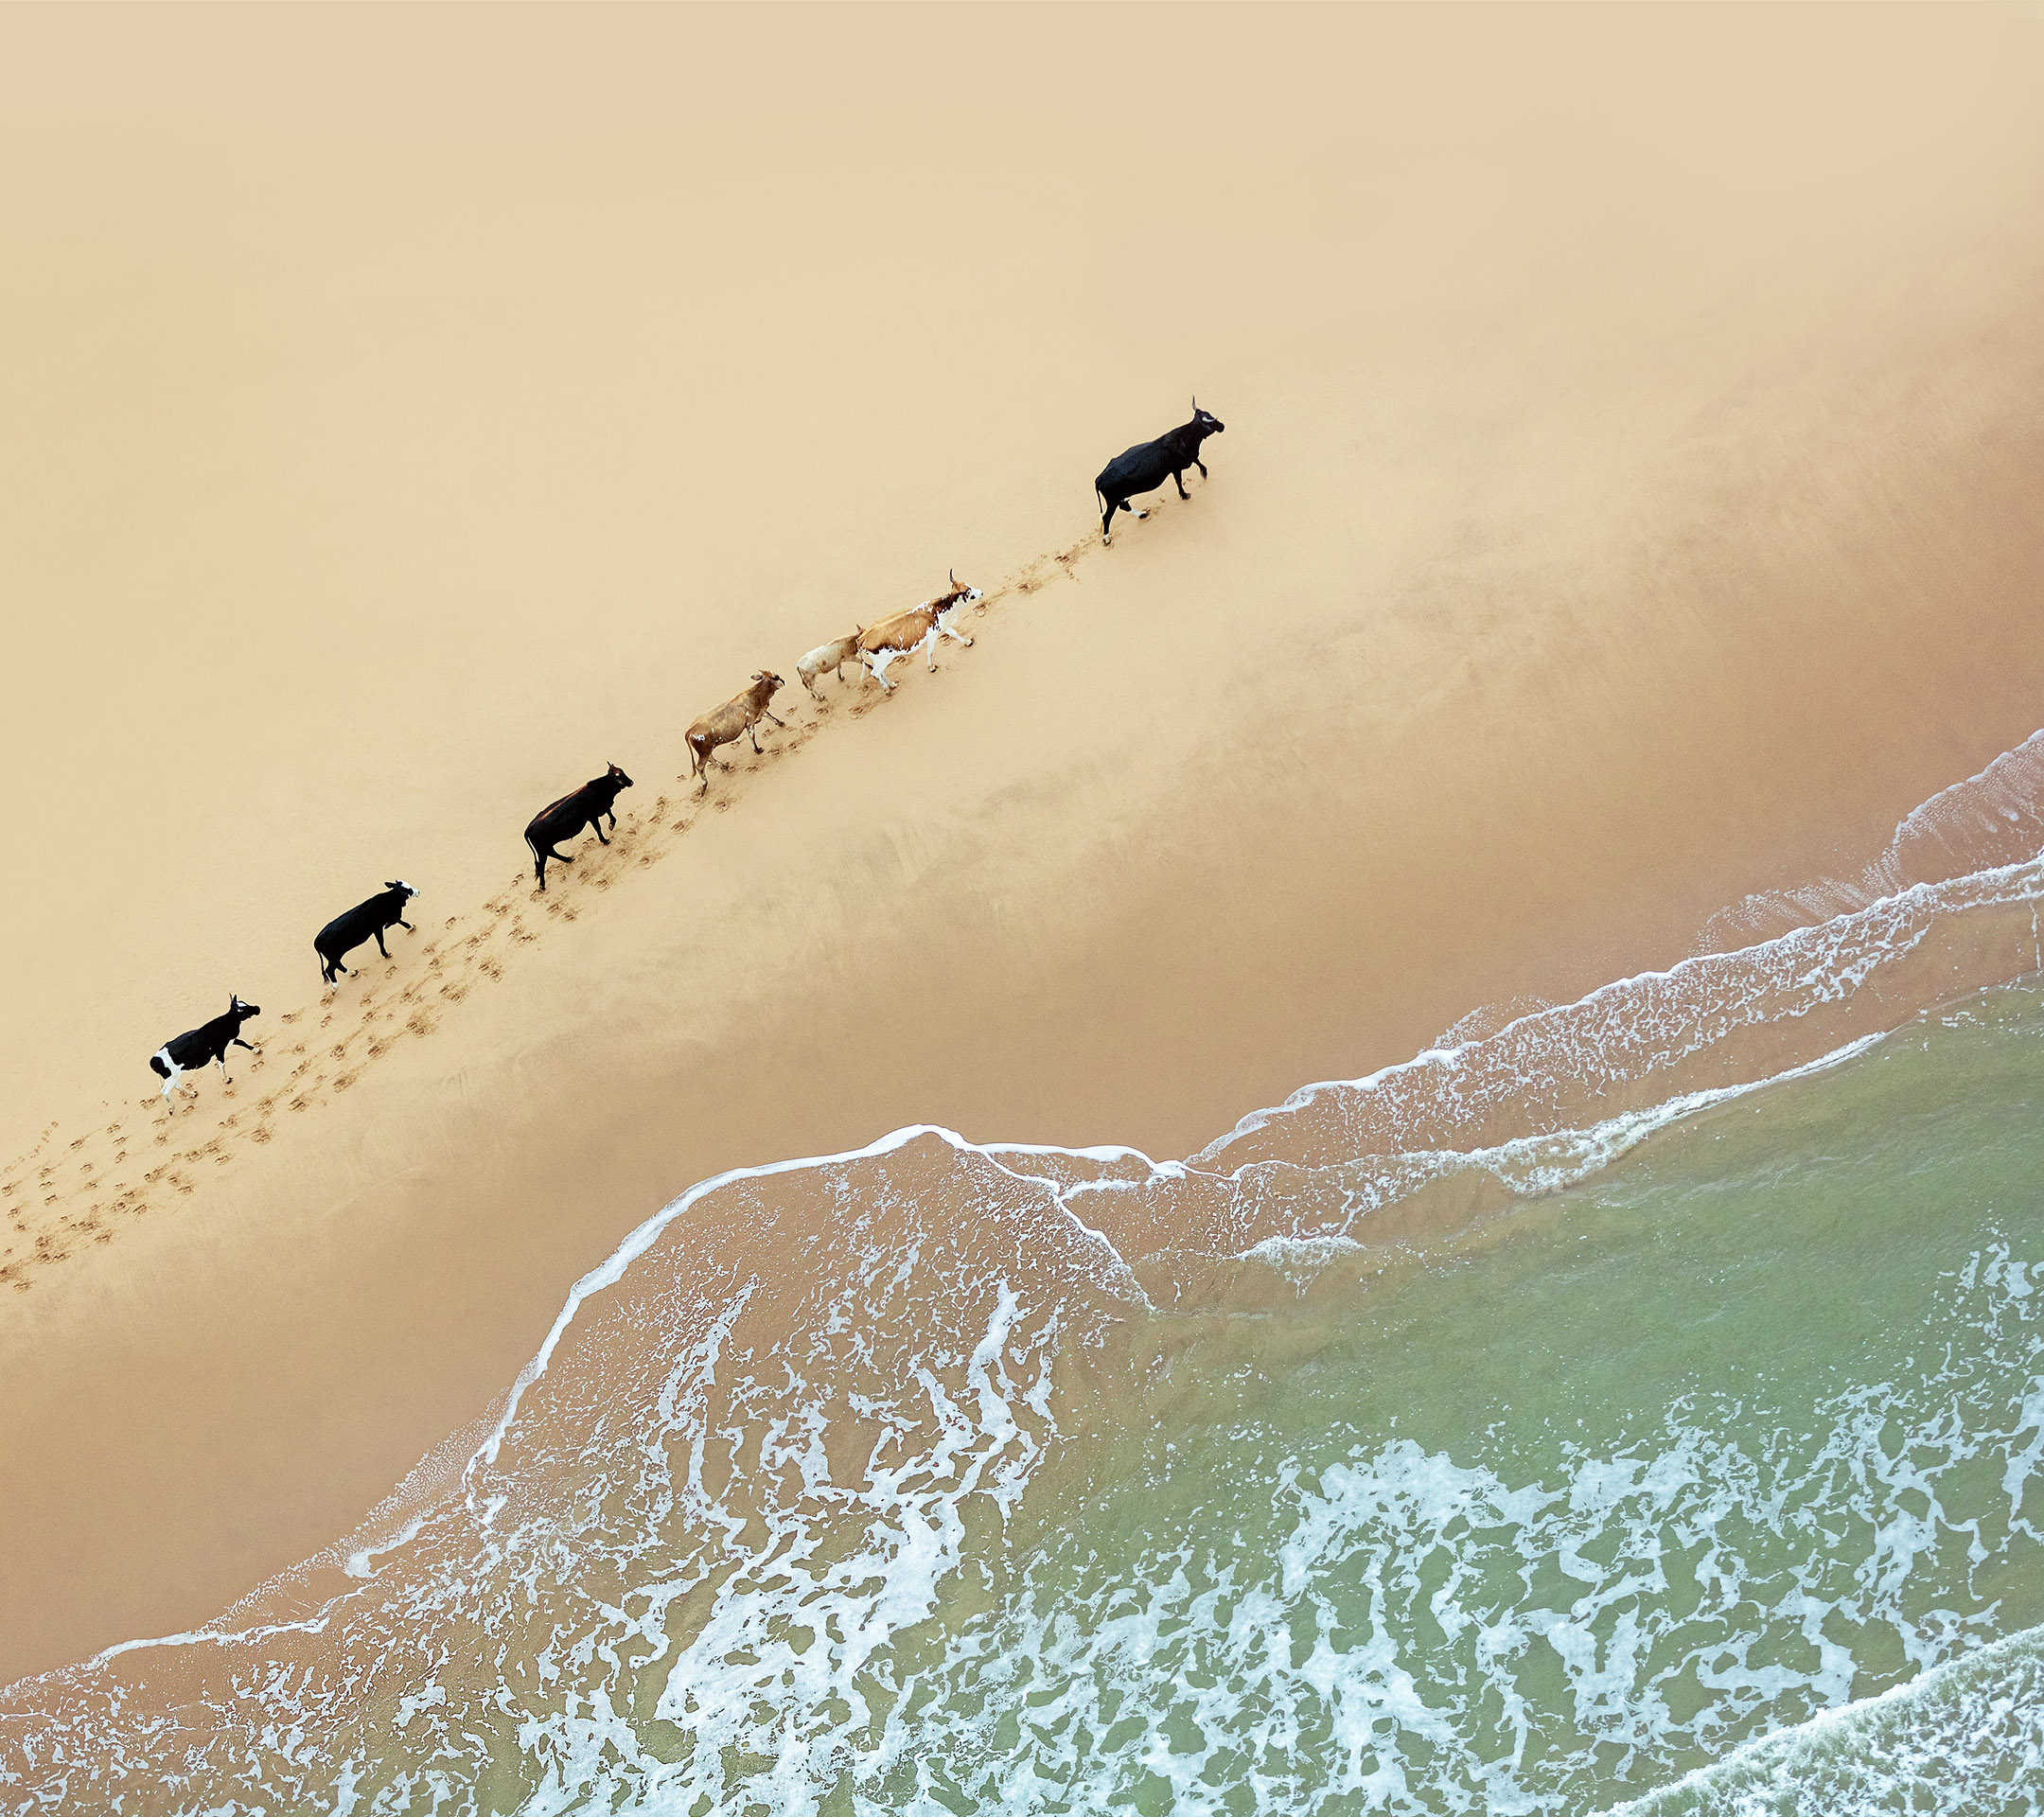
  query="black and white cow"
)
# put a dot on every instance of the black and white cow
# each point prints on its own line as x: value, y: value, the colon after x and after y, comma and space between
x: 564, y: 819
x: 365, y: 921
x: 1148, y: 465
x: 210, y: 1041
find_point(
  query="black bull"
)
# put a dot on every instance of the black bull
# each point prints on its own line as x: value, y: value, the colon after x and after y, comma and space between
x: 1148, y: 465
x: 365, y: 921
x: 564, y: 819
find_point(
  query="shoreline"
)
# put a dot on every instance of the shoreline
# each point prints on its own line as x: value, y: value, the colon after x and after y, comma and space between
x: 426, y: 1182
x: 1594, y: 545
x: 449, y: 1263
x: 352, y: 1555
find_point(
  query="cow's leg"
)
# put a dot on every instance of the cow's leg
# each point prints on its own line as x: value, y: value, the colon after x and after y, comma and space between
x: 613, y: 819
x: 170, y: 1078
x: 595, y: 826
x: 957, y: 637
x: 558, y: 857
x: 379, y: 945
x: 929, y: 646
x: 1178, y: 475
x: 775, y: 717
x: 239, y: 1043
x: 220, y: 1060
x: 1107, y: 522
x: 1201, y: 464
x: 1139, y: 516
x: 876, y: 662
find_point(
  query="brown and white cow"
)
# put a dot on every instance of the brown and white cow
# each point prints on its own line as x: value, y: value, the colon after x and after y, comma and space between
x: 737, y: 716
x: 891, y: 637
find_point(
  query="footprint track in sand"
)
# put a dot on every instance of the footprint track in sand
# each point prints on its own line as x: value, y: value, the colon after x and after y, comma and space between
x: 406, y: 1000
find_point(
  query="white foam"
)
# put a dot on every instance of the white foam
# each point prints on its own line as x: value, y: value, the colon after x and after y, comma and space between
x: 1419, y: 1620
x: 1635, y: 1029
x: 1963, y: 1740
x: 688, y: 1530
x: 1993, y: 817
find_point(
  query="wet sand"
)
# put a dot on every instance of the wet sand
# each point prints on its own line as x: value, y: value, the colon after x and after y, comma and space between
x: 1628, y: 502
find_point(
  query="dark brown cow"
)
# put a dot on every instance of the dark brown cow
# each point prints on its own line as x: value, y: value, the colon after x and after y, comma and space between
x: 1148, y: 465
x: 562, y: 819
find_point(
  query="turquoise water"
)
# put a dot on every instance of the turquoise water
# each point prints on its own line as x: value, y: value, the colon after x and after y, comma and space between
x: 1647, y: 1489
x: 1748, y: 1428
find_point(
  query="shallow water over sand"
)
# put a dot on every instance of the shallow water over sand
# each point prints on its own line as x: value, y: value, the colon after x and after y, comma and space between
x: 1520, y: 1428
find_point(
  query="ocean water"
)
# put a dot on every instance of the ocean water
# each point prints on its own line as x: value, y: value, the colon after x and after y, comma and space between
x: 1639, y: 1407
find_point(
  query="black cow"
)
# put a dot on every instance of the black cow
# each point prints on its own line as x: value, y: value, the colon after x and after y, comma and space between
x: 366, y: 919
x: 1148, y: 465
x: 184, y: 1053
x: 564, y: 819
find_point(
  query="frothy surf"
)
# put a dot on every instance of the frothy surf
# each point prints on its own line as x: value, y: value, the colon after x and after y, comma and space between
x: 1966, y: 1739
x: 819, y: 1494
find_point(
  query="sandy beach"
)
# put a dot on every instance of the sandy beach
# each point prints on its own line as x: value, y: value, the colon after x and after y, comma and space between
x: 1628, y: 502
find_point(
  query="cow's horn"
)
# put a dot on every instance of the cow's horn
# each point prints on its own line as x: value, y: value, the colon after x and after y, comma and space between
x: 954, y: 576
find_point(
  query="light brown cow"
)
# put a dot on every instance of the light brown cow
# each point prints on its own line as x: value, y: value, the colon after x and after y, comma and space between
x: 832, y: 656
x: 891, y: 637
x: 739, y: 714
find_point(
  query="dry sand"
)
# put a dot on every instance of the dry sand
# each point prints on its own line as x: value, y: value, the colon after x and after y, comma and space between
x: 1628, y: 500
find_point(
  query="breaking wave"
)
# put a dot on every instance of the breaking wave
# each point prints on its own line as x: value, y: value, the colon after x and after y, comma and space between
x: 1992, y: 818
x: 1966, y: 1739
x: 762, y: 1525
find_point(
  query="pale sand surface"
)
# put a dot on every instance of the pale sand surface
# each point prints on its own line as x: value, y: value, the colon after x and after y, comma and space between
x: 1629, y: 502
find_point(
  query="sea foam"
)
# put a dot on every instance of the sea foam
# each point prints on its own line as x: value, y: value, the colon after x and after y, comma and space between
x: 737, y: 1535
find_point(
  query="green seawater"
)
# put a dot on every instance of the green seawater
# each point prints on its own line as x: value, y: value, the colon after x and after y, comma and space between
x: 1747, y: 1429
x: 1714, y: 1484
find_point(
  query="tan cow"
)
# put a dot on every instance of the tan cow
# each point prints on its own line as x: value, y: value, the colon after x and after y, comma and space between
x: 738, y: 716
x: 895, y: 636
x: 832, y: 656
